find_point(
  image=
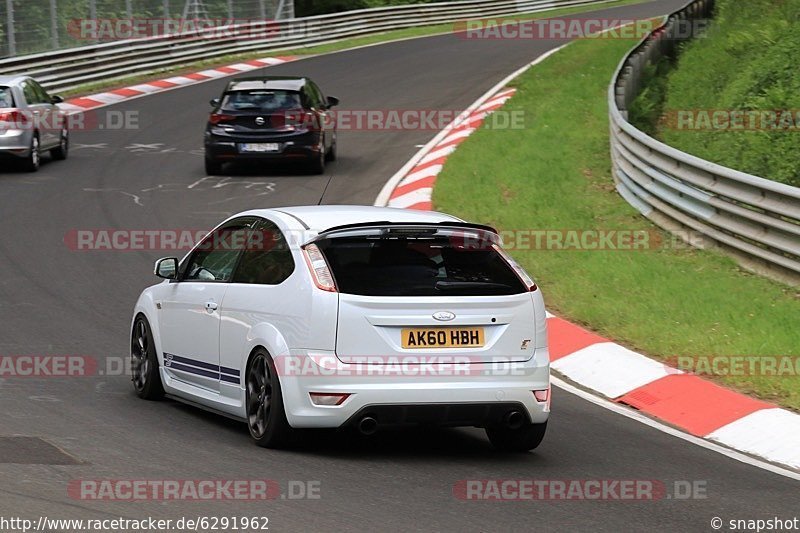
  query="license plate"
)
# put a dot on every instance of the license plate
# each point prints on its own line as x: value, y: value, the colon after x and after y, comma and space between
x: 260, y: 147
x: 420, y: 338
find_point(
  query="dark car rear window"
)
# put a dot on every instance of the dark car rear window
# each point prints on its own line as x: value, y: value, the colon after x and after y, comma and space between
x: 261, y: 100
x: 6, y: 98
x: 417, y: 267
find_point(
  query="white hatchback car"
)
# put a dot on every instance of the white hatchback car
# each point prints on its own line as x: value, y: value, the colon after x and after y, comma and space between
x: 348, y: 317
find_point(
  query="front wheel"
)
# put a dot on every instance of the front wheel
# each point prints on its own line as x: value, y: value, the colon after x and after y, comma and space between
x: 144, y: 362
x: 317, y: 162
x: 332, y: 155
x: 266, y: 417
x: 522, y: 439
x: 32, y: 162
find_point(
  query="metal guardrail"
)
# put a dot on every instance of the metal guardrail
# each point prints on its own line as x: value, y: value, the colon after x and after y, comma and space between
x: 751, y: 218
x: 70, y: 68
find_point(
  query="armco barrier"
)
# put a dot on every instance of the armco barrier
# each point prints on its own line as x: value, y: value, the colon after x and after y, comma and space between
x: 66, y: 69
x: 754, y: 219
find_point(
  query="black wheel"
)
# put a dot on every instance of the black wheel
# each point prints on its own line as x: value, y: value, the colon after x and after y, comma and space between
x: 62, y: 151
x: 144, y: 363
x: 213, y: 167
x: 32, y: 162
x: 331, y: 155
x: 316, y: 164
x: 523, y: 439
x: 266, y: 417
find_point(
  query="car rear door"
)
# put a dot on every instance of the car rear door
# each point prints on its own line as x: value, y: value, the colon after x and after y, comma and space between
x: 44, y: 114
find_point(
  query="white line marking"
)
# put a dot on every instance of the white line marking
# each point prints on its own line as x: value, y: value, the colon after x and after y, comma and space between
x: 635, y: 415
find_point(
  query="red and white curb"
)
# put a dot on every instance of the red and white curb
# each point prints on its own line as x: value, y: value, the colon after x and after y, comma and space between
x: 86, y: 103
x: 415, y: 189
x: 685, y: 401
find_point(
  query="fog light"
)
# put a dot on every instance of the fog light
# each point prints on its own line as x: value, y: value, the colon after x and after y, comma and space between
x: 541, y: 395
x: 328, y: 398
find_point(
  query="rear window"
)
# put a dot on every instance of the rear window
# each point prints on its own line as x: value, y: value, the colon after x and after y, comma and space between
x: 261, y: 100
x: 436, y: 266
x: 6, y: 99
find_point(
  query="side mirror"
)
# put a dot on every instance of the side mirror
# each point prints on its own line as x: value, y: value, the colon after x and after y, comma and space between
x: 214, y: 102
x: 166, y: 268
x: 333, y: 101
x: 56, y: 99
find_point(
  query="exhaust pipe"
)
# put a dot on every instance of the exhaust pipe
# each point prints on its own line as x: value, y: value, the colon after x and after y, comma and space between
x: 514, y: 420
x: 368, y: 426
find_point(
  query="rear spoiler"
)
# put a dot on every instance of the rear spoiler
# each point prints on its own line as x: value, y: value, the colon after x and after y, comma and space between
x: 386, y: 224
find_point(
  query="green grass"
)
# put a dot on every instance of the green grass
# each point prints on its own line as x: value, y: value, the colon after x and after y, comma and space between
x: 748, y: 61
x: 315, y: 50
x: 555, y: 174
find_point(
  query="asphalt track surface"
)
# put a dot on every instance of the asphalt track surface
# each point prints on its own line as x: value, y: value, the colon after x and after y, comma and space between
x: 57, y: 301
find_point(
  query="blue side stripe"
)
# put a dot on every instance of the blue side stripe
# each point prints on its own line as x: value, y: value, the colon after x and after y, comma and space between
x: 231, y: 371
x: 201, y: 368
x: 192, y: 370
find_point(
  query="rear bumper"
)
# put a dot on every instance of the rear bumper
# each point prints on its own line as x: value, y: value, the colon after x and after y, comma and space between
x: 226, y: 147
x: 474, y: 395
x: 15, y: 143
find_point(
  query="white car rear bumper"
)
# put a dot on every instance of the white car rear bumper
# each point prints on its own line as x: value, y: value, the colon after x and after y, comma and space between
x: 490, y: 386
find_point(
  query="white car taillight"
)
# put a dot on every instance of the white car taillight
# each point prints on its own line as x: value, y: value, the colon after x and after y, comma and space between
x: 523, y: 276
x: 323, y: 278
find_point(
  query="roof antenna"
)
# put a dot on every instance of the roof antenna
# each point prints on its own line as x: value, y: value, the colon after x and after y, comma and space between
x: 325, y: 189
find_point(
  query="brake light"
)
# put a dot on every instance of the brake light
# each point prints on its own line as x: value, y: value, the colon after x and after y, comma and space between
x: 542, y: 395
x: 216, y: 118
x: 14, y: 116
x: 323, y: 278
x: 523, y: 276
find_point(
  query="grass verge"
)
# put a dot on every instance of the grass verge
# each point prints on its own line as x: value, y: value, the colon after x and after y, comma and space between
x: 554, y: 174
x: 746, y: 63
x: 314, y: 50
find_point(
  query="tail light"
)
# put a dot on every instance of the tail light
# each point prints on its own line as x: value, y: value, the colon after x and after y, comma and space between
x: 523, y: 276
x: 308, y: 120
x: 542, y: 395
x: 14, y: 116
x: 320, y: 271
x: 216, y: 118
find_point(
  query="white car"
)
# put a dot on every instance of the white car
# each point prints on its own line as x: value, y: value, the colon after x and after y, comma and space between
x: 348, y: 317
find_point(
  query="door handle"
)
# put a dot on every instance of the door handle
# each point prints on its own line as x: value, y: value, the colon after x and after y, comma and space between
x: 211, y: 306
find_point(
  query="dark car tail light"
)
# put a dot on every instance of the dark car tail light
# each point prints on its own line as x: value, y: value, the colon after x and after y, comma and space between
x: 312, y: 121
x: 216, y: 118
